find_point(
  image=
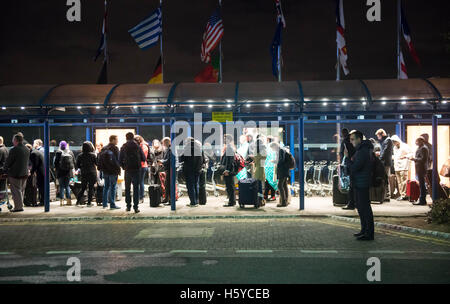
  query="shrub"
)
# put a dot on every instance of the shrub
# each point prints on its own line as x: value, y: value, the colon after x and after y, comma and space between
x: 440, y: 212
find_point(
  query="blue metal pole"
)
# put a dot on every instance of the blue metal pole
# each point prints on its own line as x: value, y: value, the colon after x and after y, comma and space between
x: 173, y: 171
x: 292, y: 149
x: 434, y: 151
x: 403, y: 131
x: 301, y: 170
x: 398, y: 130
x: 88, y: 134
x: 47, y: 166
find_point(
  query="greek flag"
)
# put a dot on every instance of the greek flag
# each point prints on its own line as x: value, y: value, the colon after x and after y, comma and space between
x: 146, y: 33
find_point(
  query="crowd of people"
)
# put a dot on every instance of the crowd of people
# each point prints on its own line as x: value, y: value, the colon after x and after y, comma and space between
x: 394, y: 156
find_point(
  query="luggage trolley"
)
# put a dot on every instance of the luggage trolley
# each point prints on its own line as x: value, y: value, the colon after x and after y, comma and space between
x: 4, y: 198
x: 317, y: 186
x: 308, y: 186
x: 328, y: 187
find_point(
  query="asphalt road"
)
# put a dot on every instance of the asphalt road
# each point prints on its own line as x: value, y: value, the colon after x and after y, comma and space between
x: 228, y: 251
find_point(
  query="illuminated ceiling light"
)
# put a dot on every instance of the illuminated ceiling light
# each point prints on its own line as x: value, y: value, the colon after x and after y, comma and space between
x: 324, y: 99
x: 190, y: 100
x: 247, y: 105
x: 228, y: 106
x: 403, y: 102
x: 267, y: 105
x: 362, y: 99
x: 134, y: 107
x: 404, y: 97
x: 78, y: 107
x: 267, y: 100
x: 210, y: 106
x: 116, y: 107
x: 324, y: 103
x: 383, y: 103
x: 444, y: 101
x: 153, y: 107
x: 22, y: 108
x: 364, y: 103
x: 307, y: 99
x: 191, y: 106
x: 383, y: 98
x: 97, y: 107
x: 210, y: 100
x: 3, y: 108
x: 344, y: 103
x: 424, y: 102
x: 286, y: 99
x: 286, y: 104
x: 344, y: 99
x: 230, y: 100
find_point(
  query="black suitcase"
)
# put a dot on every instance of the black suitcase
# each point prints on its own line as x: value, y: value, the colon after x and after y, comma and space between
x: 202, y: 189
x: 248, y: 192
x: 31, y: 192
x: 99, y: 195
x: 377, y: 194
x: 76, y: 188
x: 339, y: 198
x: 154, y: 192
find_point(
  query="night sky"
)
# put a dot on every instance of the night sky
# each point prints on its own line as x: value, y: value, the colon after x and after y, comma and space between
x: 39, y: 45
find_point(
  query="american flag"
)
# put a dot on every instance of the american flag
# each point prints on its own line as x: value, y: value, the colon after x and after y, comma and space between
x: 340, y: 39
x: 407, y: 36
x: 212, y: 35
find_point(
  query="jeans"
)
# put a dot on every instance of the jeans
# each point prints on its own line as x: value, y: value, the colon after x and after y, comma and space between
x: 132, y: 177
x: 229, y: 183
x: 423, y: 189
x: 109, y: 190
x: 64, y: 186
x: 142, y: 172
x: 87, y: 183
x: 192, y: 185
x: 284, y: 190
x: 362, y: 202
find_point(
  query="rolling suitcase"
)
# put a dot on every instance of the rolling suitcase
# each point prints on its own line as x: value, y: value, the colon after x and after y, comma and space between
x: 248, y: 192
x: 412, y: 190
x: 377, y: 194
x: 52, y: 191
x: 339, y: 198
x: 31, y: 192
x: 99, y: 195
x: 154, y: 192
x: 76, y: 188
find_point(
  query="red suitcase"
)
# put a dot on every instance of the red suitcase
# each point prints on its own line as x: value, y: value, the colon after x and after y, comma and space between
x: 412, y: 190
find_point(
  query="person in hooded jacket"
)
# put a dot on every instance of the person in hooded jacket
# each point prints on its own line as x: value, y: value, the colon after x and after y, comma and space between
x: 402, y: 152
x: 360, y: 167
x: 346, y: 144
x: 64, y: 170
x: 228, y: 168
x: 87, y: 163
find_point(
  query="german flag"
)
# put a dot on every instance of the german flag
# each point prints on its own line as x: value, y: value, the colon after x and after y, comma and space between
x: 157, y: 73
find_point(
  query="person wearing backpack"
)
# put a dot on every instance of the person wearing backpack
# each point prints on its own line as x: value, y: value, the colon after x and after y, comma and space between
x: 360, y: 167
x: 229, y: 168
x: 192, y: 159
x: 385, y: 155
x: 130, y: 159
x: 64, y: 165
x: 284, y: 162
x: 108, y: 164
x: 87, y: 163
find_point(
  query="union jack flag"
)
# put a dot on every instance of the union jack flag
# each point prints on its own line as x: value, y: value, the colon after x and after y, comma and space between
x: 212, y: 35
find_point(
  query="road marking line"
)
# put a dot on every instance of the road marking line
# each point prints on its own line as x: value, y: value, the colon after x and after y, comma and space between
x: 441, y: 252
x: 63, y: 252
x: 318, y: 251
x: 386, y: 251
x: 6, y: 253
x: 188, y: 251
x: 254, y: 251
x: 126, y: 251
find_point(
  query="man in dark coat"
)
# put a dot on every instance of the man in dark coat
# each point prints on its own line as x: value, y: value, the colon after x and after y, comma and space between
x: 37, y: 167
x: 16, y: 166
x: 346, y: 144
x: 360, y: 167
x: 108, y: 163
x: 385, y: 155
x: 282, y: 173
x: 130, y: 158
x: 192, y: 159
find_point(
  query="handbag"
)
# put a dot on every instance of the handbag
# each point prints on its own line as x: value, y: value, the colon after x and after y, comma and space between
x: 344, y: 179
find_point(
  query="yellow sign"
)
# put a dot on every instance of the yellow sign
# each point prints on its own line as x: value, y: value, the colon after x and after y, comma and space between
x: 222, y: 116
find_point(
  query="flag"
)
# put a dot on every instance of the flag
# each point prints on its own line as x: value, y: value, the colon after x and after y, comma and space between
x: 103, y: 77
x: 102, y: 46
x: 210, y: 73
x: 157, y: 73
x: 403, y: 74
x: 212, y: 36
x: 280, y: 15
x: 340, y: 27
x: 146, y: 33
x: 407, y: 35
x: 276, y: 42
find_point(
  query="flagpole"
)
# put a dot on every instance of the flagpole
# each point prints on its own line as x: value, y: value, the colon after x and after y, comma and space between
x: 161, y: 43
x: 279, y: 63
x: 398, y: 37
x: 220, y: 49
x: 106, y: 44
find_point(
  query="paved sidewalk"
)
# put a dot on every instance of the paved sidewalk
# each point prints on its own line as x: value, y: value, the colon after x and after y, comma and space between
x: 314, y: 206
